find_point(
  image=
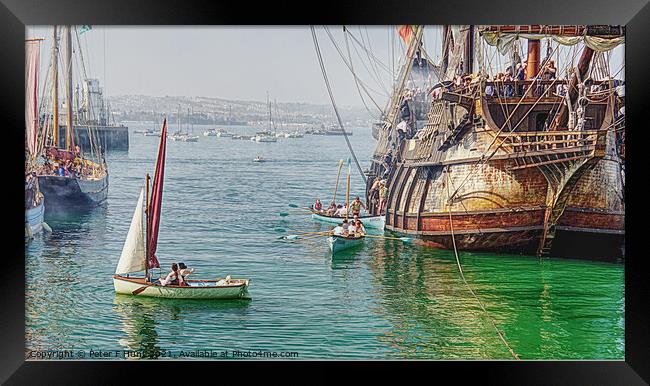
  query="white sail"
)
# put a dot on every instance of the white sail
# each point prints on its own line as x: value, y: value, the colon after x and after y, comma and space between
x: 133, y: 254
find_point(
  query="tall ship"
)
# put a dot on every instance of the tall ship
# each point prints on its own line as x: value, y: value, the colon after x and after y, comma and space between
x: 72, y: 176
x: 504, y: 153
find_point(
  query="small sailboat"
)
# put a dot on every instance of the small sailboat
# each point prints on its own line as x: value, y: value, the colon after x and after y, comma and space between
x: 138, y: 253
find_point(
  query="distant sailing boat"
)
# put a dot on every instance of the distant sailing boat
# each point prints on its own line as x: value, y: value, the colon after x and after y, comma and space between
x: 68, y: 180
x: 267, y: 136
x: 139, y: 254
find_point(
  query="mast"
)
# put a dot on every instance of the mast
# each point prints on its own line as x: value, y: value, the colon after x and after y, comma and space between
x: 146, y: 247
x: 469, y: 51
x: 445, y: 48
x: 347, y: 193
x: 55, y: 90
x: 532, y: 60
x: 68, y: 86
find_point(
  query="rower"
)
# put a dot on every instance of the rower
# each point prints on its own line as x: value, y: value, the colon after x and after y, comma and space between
x: 356, y: 205
x: 318, y: 206
x: 338, y: 230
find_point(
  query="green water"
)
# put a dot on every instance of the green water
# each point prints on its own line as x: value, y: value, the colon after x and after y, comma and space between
x: 385, y: 299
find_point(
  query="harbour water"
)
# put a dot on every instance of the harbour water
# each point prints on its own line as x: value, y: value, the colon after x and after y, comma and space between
x: 384, y: 300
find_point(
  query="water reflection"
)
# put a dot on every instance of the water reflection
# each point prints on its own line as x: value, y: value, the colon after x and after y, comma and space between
x: 140, y: 317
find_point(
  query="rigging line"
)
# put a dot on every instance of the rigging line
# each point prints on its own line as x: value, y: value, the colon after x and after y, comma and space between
x: 373, y: 64
x: 350, y: 68
x: 462, y: 275
x: 347, y: 46
x: 370, y: 53
x: 365, y: 86
x: 336, y: 111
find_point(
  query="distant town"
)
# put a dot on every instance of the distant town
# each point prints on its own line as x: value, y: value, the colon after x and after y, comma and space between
x: 204, y: 110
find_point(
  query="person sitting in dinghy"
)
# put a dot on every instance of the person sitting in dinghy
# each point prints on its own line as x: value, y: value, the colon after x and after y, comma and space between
x: 318, y: 206
x: 184, y: 272
x: 338, y: 230
x: 332, y: 209
x: 172, y: 278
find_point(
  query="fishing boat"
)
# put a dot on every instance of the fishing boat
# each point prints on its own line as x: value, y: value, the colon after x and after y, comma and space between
x: 338, y: 243
x: 528, y: 160
x: 138, y: 253
x: 334, y: 130
x: 224, y: 134
x: 69, y: 179
x: 210, y: 133
x: 376, y: 222
x: 190, y: 138
x: 151, y: 134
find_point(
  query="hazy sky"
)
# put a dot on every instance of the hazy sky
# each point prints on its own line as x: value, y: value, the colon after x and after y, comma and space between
x: 241, y: 62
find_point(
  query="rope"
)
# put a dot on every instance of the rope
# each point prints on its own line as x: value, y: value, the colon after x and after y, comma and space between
x: 336, y: 111
x: 462, y: 275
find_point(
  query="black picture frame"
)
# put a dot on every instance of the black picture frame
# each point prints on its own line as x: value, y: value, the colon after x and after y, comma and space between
x: 15, y: 14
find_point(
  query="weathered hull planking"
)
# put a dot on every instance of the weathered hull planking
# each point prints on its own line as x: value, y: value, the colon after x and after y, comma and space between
x: 71, y: 194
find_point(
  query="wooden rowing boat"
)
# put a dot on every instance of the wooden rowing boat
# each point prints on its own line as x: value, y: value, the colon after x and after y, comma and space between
x: 338, y: 243
x: 139, y: 256
x: 376, y: 222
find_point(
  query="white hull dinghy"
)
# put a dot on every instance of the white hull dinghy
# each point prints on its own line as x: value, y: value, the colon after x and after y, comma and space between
x: 338, y: 243
x: 138, y: 253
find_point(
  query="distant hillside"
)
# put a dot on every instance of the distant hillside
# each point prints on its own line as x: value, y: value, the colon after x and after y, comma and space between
x: 205, y: 110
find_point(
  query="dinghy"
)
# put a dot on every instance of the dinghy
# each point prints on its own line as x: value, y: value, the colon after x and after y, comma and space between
x: 376, y: 222
x: 138, y: 255
x: 339, y: 243
x: 259, y: 159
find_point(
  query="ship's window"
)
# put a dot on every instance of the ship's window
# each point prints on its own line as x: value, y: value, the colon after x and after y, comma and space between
x: 540, y: 121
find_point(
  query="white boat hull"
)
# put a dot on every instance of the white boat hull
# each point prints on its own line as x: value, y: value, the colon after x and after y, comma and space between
x: 376, y: 222
x: 34, y: 217
x: 196, y: 290
x: 338, y: 243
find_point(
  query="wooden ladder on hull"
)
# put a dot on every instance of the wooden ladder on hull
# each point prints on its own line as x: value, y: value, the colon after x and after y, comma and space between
x: 562, y: 174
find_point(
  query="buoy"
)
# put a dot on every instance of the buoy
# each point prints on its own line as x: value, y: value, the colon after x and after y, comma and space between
x: 47, y: 227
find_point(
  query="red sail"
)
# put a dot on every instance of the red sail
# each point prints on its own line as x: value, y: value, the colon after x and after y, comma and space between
x: 156, y: 201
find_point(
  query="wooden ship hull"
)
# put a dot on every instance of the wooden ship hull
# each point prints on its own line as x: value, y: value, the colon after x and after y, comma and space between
x: 70, y: 194
x: 529, y: 188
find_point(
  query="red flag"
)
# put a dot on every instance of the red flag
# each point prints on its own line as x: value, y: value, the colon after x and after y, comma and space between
x: 156, y: 200
x: 405, y: 31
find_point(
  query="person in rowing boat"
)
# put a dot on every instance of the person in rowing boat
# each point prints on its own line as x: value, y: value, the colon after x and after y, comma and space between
x: 332, y: 209
x: 184, y: 272
x: 359, y: 225
x: 338, y: 230
x: 172, y: 278
x: 318, y: 206
x: 356, y: 206
x: 341, y: 211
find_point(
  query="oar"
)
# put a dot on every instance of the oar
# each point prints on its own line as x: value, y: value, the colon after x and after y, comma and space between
x: 285, y: 214
x: 404, y: 239
x: 296, y: 239
x: 137, y: 291
x: 295, y: 236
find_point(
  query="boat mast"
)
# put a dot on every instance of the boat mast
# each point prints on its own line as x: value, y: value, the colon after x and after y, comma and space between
x: 347, y: 193
x: 268, y: 102
x: 146, y: 244
x: 55, y: 89
x: 68, y: 86
x: 469, y: 51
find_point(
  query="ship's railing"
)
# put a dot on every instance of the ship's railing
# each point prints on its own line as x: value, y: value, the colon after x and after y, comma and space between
x: 535, y: 88
x: 526, y: 142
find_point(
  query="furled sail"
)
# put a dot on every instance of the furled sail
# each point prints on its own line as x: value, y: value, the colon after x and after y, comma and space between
x: 156, y: 200
x: 133, y: 255
x: 32, y: 67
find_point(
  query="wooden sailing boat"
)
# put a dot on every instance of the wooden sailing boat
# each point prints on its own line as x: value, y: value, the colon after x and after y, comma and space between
x: 511, y: 164
x: 85, y: 184
x: 34, y: 199
x: 139, y: 254
x: 340, y: 242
